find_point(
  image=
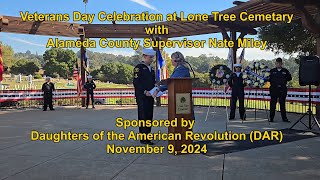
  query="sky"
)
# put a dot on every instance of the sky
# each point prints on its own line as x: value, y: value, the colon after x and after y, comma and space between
x: 36, y: 43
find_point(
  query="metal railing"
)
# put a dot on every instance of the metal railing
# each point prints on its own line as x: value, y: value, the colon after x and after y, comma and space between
x: 297, y: 99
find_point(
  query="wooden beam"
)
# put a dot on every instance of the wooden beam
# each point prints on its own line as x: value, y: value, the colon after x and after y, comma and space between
x: 305, y: 2
x: 224, y: 34
x: 307, y: 20
x: 233, y: 26
x: 3, y: 22
x: 35, y: 27
x: 242, y: 35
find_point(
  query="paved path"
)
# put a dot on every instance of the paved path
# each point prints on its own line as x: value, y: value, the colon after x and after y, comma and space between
x: 21, y: 158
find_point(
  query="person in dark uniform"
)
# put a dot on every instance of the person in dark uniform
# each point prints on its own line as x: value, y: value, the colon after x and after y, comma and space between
x: 48, y: 88
x: 90, y: 86
x: 279, y: 77
x: 236, y: 83
x: 144, y: 81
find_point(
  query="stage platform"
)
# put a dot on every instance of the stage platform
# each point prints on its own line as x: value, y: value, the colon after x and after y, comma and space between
x: 297, y: 157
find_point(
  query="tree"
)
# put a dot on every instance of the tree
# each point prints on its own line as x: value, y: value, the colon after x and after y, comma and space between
x: 117, y: 72
x: 125, y: 73
x: 25, y: 67
x: 7, y: 56
x: 59, y: 61
x: 204, y: 80
x: 288, y: 38
x: 28, y: 56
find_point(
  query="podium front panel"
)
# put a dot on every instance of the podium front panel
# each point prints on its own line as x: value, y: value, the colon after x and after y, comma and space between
x: 180, y: 106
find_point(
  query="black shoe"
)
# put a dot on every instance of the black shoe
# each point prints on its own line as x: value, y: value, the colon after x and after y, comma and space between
x: 52, y: 109
x: 271, y: 120
x: 286, y: 120
x: 231, y: 118
x: 93, y: 107
x: 87, y: 107
x: 44, y: 110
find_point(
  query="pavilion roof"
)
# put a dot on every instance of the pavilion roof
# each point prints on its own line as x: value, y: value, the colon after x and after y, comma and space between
x: 176, y: 28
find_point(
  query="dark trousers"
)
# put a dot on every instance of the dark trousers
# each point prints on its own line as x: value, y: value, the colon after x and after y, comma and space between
x: 234, y: 97
x: 92, y: 99
x: 281, y: 94
x: 47, y: 101
x: 145, y: 111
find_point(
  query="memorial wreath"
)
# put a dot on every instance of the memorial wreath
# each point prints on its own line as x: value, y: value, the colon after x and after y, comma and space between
x: 220, y: 74
x: 256, y: 74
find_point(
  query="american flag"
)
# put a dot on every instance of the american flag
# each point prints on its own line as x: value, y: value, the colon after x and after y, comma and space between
x: 79, y: 85
x: 241, y: 58
x: 75, y: 74
x: 164, y: 74
x: 226, y: 88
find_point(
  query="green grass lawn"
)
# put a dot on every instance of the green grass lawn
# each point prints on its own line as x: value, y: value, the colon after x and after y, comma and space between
x: 59, y: 84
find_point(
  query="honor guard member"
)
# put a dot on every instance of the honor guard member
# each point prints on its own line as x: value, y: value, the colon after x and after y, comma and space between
x: 90, y: 86
x: 48, y: 88
x: 236, y: 83
x: 279, y: 77
x: 144, y: 81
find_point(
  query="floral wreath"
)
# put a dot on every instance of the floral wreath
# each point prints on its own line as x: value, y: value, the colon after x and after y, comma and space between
x: 256, y: 74
x: 220, y: 74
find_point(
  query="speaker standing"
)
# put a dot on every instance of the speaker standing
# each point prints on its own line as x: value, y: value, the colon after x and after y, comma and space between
x: 279, y: 77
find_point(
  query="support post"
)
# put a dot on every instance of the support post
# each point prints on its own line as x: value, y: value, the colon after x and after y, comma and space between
x: 83, y: 73
x: 158, y: 101
x: 235, y: 47
x: 318, y: 53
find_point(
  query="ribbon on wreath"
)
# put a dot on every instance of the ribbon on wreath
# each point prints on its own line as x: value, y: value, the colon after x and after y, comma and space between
x: 255, y: 74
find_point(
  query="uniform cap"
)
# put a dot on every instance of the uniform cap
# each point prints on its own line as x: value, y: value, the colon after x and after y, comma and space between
x: 48, y: 77
x: 278, y: 60
x: 89, y: 77
x: 149, y: 52
x: 237, y: 65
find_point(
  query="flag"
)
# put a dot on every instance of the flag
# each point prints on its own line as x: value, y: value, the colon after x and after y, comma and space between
x: 75, y: 74
x: 241, y: 58
x: 160, y: 65
x: 1, y: 65
x: 164, y: 74
x: 86, y: 62
x: 226, y: 88
x: 230, y: 59
x: 85, y: 1
x: 79, y: 84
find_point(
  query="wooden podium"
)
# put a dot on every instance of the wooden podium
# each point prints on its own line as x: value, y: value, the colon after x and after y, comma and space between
x: 179, y: 106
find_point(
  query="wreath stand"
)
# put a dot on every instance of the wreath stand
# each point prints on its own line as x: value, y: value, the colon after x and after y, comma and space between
x: 223, y: 73
x: 214, y: 107
x: 254, y: 70
x: 210, y: 102
x: 255, y: 105
x: 225, y: 99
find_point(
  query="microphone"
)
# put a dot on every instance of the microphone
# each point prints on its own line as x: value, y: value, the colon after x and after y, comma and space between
x: 194, y: 76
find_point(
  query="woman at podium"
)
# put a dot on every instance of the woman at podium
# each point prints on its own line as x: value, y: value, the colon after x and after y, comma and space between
x: 181, y: 70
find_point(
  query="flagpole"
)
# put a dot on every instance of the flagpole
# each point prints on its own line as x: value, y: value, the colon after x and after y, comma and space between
x: 82, y: 68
